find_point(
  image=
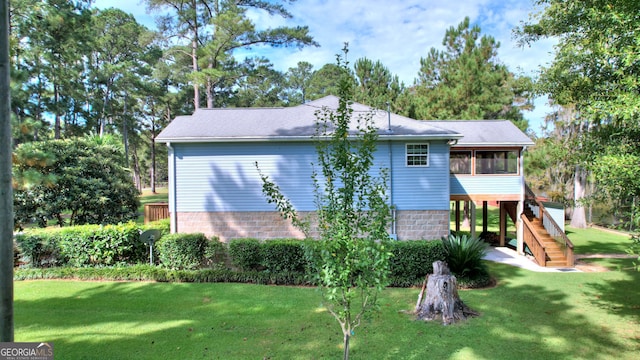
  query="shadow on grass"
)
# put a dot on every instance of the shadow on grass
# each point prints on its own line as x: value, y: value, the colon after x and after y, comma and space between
x: 526, y: 316
x: 518, y: 321
x: 621, y: 297
x: 177, y: 321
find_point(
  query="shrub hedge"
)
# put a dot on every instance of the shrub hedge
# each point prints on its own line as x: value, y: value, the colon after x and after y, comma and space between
x: 285, y: 255
x: 413, y: 260
x: 100, y: 252
x: 182, y: 251
x: 85, y: 245
x: 245, y: 254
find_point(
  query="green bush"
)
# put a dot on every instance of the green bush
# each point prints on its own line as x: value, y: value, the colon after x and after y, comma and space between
x: 285, y: 255
x: 464, y: 255
x: 160, y: 274
x: 245, y: 254
x: 164, y: 225
x: 479, y: 279
x: 182, y: 251
x: 101, y: 245
x: 38, y: 248
x: 73, y: 181
x: 413, y: 260
x: 215, y: 254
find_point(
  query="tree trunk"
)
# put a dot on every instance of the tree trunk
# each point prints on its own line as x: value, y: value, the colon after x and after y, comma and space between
x: 152, y: 170
x: 466, y: 223
x: 579, y: 219
x: 441, y: 300
x: 194, y: 65
x: 346, y: 347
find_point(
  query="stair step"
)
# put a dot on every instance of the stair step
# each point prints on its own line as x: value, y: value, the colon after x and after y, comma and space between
x: 557, y: 263
x: 554, y: 252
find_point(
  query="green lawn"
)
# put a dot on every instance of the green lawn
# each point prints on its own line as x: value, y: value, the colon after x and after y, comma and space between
x: 596, y: 241
x: 527, y: 316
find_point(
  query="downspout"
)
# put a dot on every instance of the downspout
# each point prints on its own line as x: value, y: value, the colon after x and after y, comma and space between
x: 393, y: 235
x: 173, y: 216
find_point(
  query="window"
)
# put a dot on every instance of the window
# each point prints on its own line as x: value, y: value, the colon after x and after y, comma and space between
x: 417, y: 154
x: 497, y: 162
x: 460, y: 162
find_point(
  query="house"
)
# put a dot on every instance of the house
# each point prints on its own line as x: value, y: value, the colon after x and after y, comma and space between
x: 215, y: 187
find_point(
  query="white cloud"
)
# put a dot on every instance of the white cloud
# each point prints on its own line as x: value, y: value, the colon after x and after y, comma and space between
x: 398, y: 33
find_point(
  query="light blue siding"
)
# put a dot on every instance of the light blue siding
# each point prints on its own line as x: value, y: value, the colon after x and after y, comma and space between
x: 223, y: 176
x: 421, y: 188
x: 486, y: 184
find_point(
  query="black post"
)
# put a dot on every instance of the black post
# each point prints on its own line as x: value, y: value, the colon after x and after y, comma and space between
x: 6, y: 190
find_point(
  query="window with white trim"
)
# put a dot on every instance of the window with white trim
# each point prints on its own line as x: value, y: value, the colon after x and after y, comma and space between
x: 417, y: 155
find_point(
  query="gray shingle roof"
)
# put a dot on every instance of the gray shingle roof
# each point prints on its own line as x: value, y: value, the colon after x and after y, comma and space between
x: 299, y: 123
x: 485, y: 132
x: 292, y: 123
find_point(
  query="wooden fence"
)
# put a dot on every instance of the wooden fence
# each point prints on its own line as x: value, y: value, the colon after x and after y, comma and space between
x: 155, y: 211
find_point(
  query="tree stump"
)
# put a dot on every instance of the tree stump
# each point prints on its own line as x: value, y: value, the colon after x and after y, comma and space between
x: 439, y: 297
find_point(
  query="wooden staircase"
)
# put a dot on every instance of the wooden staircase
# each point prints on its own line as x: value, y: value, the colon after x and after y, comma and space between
x: 554, y: 255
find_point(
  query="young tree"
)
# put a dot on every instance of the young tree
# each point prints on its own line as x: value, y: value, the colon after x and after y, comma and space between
x: 353, y: 212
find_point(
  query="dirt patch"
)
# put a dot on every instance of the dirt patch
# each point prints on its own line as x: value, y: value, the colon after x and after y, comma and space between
x: 589, y: 267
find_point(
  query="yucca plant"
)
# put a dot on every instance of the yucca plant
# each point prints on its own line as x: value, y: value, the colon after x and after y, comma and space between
x: 464, y: 254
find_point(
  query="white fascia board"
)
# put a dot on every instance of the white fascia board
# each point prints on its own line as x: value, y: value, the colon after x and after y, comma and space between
x: 302, y: 138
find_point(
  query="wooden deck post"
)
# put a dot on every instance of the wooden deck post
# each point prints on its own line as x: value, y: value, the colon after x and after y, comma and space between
x: 503, y: 223
x: 457, y: 206
x: 485, y: 216
x: 472, y: 205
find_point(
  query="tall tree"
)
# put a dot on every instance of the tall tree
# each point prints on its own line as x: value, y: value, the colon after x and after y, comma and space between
x: 262, y: 86
x: 595, y: 68
x: 376, y: 86
x: 214, y: 29
x: 50, y: 42
x: 466, y: 80
x: 325, y: 81
x: 120, y: 61
x: 6, y: 192
x: 298, y: 80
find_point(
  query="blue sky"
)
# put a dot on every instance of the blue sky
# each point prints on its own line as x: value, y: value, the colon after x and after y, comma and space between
x: 396, y: 32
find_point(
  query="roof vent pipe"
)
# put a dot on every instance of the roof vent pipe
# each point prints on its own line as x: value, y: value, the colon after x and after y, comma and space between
x: 389, y: 118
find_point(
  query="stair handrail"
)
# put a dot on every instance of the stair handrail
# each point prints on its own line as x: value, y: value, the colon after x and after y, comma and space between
x: 533, y: 241
x: 554, y: 230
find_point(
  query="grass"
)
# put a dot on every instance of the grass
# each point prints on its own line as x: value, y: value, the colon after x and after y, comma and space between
x: 526, y: 316
x: 161, y: 195
x: 596, y: 241
x: 493, y: 220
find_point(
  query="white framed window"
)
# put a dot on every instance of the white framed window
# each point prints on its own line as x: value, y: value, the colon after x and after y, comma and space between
x: 417, y: 155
